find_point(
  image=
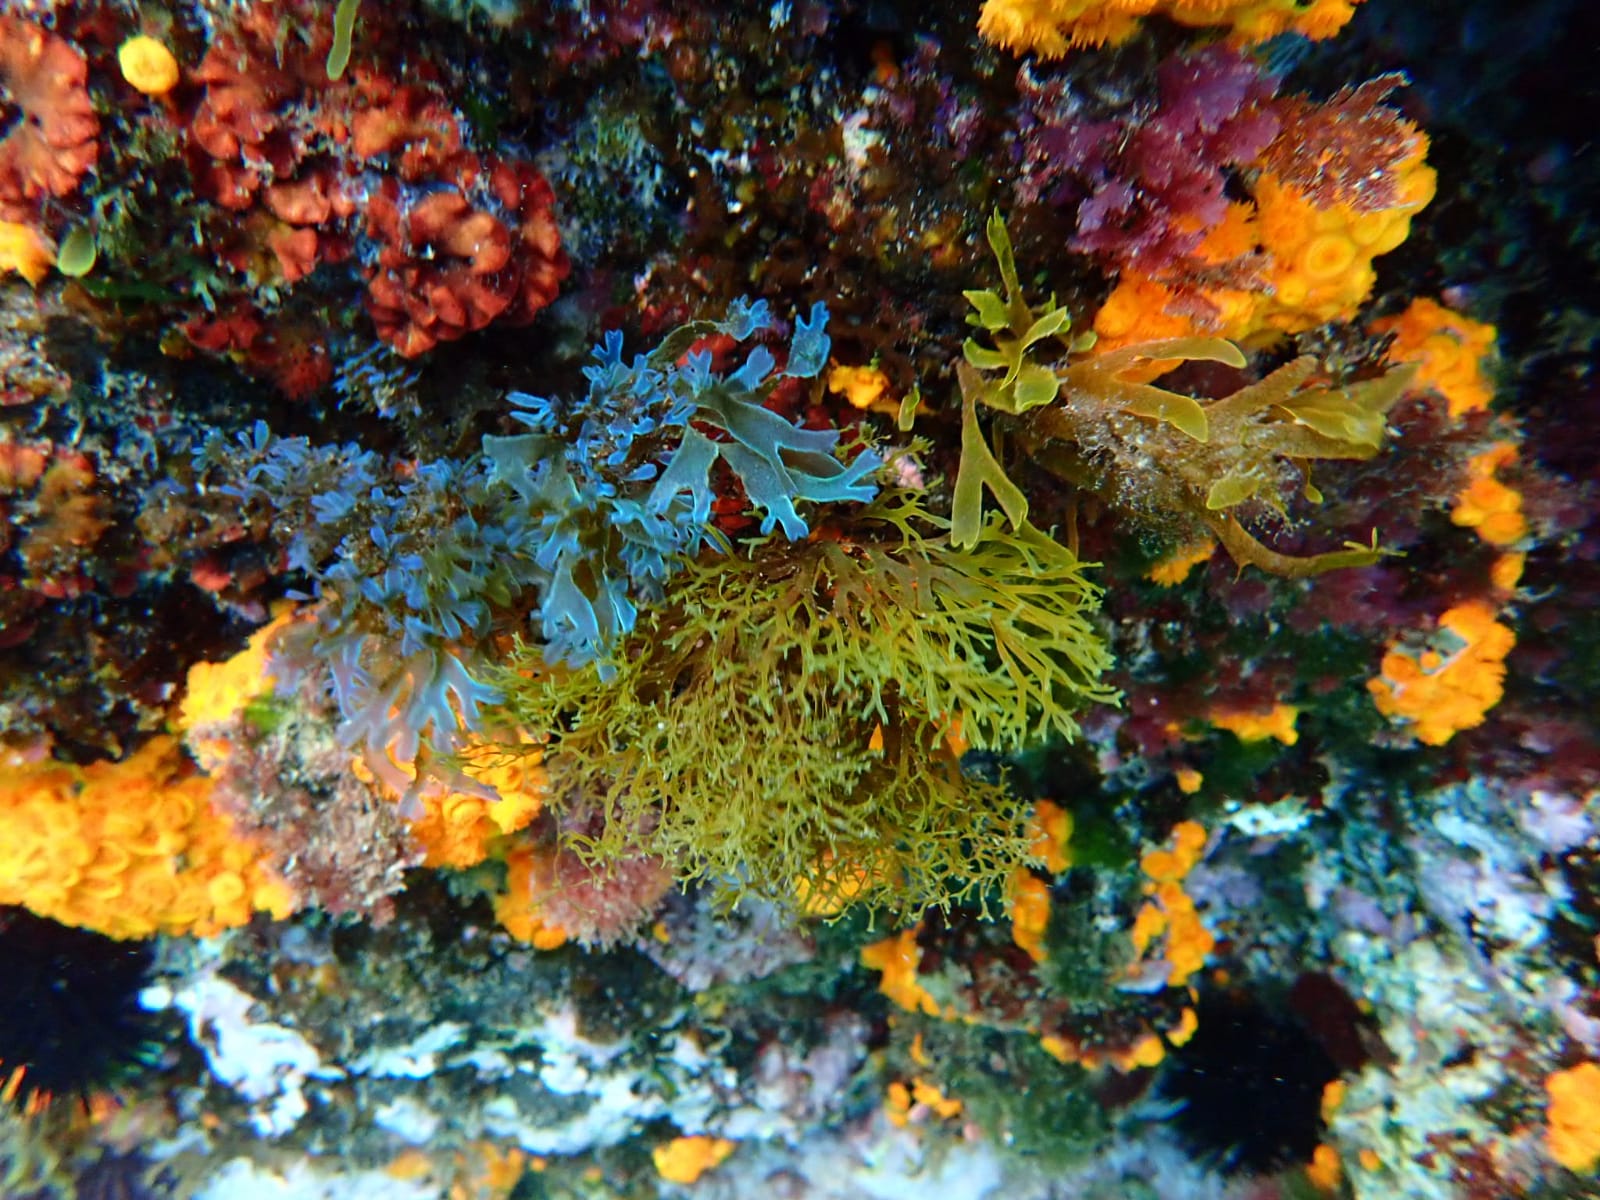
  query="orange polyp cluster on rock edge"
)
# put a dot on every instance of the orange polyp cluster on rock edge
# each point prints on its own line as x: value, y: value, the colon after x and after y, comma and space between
x: 1050, y: 28
x: 1573, y: 1135
x: 130, y: 849
x: 517, y: 910
x: 1486, y: 505
x: 1029, y: 901
x: 26, y: 251
x: 1336, y: 189
x: 1322, y: 256
x: 905, y: 1105
x: 897, y: 957
x: 458, y: 829
x: 216, y: 693
x: 1050, y: 834
x: 1441, y: 690
x: 684, y: 1159
x: 1174, y: 568
x: 1450, y: 351
x: 553, y: 894
x: 1253, y: 725
x: 1169, y: 914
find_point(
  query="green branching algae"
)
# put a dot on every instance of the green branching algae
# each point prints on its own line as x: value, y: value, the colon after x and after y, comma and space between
x: 344, y: 25
x: 782, y: 723
x: 1093, y: 422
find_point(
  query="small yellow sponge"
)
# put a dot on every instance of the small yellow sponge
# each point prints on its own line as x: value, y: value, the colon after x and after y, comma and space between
x: 148, y: 65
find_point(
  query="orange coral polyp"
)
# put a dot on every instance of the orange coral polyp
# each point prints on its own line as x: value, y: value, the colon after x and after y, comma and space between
x: 148, y: 65
x: 518, y: 909
x: 1322, y: 269
x: 1257, y: 726
x: 1491, y: 508
x: 1328, y: 256
x: 684, y: 1159
x: 1573, y: 1133
x: 862, y: 386
x: 1170, y: 915
x: 26, y: 251
x: 1050, y: 28
x: 1176, y: 566
x: 1030, y: 914
x: 1318, y: 264
x: 130, y: 849
x: 1440, y: 692
x: 898, y: 957
x: 1452, y: 352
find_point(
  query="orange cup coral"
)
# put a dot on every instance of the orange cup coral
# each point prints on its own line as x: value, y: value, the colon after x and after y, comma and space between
x: 1315, y: 240
x: 684, y: 1159
x: 130, y: 849
x: 1449, y: 349
x: 26, y: 251
x: 1574, y: 1115
x: 1450, y: 685
x: 1492, y: 508
x: 1170, y: 914
x: 1049, y: 28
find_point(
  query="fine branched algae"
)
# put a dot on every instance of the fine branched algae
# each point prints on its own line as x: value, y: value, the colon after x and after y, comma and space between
x: 787, y: 721
x: 1093, y: 422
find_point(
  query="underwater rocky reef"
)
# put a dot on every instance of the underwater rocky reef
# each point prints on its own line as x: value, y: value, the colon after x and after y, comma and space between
x: 833, y: 599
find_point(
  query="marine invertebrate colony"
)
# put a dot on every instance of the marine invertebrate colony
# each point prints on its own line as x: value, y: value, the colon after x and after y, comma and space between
x: 1449, y: 683
x: 1050, y: 28
x: 1226, y: 207
x: 51, y: 144
x: 129, y: 849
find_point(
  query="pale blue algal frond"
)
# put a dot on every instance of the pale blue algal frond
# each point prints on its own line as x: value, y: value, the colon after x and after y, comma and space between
x: 619, y: 484
x: 581, y: 519
x: 808, y: 352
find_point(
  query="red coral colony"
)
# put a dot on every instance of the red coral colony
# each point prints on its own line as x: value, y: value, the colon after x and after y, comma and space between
x: 461, y: 239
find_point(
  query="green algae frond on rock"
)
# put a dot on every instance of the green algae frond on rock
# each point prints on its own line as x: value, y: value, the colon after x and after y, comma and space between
x: 1098, y: 423
x: 785, y: 722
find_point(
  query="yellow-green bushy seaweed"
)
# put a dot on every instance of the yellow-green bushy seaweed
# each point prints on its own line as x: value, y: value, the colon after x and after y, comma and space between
x: 779, y: 724
x: 1091, y: 422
